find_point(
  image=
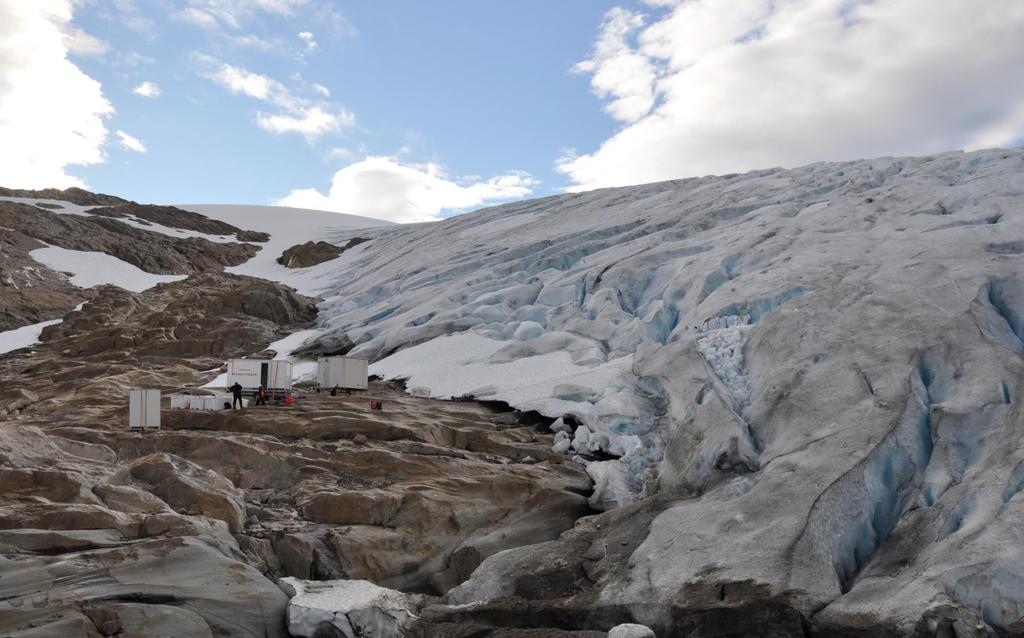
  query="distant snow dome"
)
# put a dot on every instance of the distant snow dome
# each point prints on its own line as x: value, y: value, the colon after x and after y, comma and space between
x: 288, y: 227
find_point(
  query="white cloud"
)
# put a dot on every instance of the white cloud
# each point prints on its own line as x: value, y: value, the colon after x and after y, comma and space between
x: 308, y: 118
x: 309, y: 39
x: 198, y: 17
x: 78, y: 42
x: 130, y: 143
x: 126, y: 13
x: 710, y: 86
x: 251, y: 41
x: 147, y: 89
x: 621, y: 73
x: 132, y: 59
x: 51, y: 113
x: 311, y: 122
x: 338, y: 153
x: 217, y: 14
x: 322, y: 90
x: 238, y: 80
x: 385, y: 188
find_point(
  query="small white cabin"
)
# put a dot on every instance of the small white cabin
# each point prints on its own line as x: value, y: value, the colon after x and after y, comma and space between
x: 347, y: 373
x: 273, y: 375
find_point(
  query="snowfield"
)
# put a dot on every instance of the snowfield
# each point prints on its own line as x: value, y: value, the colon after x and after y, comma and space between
x: 88, y: 269
x: 24, y: 336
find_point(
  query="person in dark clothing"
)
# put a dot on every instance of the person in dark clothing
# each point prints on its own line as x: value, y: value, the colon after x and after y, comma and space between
x: 236, y: 392
x: 261, y: 396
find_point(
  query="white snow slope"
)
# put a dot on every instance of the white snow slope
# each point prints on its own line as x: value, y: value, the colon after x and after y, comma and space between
x: 287, y: 227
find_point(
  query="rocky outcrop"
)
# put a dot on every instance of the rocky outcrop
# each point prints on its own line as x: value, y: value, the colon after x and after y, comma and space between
x: 29, y: 292
x: 169, y: 216
x: 74, y: 195
x: 150, y: 251
x: 335, y: 344
x: 207, y: 315
x: 312, y: 253
x: 118, y: 208
x: 189, y: 488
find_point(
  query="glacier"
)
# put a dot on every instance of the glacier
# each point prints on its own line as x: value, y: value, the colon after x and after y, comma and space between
x: 801, y: 385
x: 613, y: 281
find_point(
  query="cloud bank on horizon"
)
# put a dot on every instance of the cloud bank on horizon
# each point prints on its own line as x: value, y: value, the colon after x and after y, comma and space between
x: 714, y: 86
x: 689, y: 88
x: 386, y: 188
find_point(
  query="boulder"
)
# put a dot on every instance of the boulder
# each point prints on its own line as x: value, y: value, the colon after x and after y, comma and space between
x: 190, y: 489
x: 152, y: 621
x: 348, y: 608
x: 125, y: 498
x: 16, y: 399
x: 351, y: 507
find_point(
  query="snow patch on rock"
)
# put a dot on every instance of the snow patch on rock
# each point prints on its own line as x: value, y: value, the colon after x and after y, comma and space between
x: 88, y: 269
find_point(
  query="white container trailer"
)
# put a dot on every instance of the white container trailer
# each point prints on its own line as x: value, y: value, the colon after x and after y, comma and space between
x: 143, y: 409
x: 343, y: 372
x: 252, y: 373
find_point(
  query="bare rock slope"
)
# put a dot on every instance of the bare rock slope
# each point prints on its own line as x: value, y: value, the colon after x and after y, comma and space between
x: 184, y: 531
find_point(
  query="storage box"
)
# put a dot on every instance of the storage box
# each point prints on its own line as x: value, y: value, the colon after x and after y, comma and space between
x: 343, y: 372
x: 143, y: 409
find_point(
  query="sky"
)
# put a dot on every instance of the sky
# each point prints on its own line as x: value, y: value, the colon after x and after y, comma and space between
x: 413, y: 111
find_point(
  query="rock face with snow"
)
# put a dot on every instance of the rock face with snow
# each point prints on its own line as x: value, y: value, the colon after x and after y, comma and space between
x: 99, y: 239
